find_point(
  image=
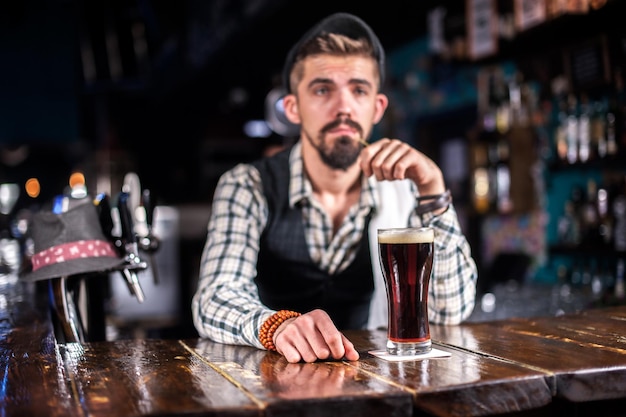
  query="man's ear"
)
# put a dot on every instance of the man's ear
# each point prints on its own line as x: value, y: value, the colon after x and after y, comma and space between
x: 290, y: 105
x: 382, y: 101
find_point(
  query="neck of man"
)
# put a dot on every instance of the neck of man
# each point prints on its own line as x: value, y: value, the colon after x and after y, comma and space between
x: 336, y: 190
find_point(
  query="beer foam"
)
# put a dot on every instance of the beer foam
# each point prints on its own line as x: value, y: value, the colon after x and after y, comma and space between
x: 406, y: 235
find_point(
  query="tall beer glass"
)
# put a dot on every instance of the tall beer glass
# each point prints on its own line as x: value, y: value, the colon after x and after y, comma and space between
x: 406, y: 258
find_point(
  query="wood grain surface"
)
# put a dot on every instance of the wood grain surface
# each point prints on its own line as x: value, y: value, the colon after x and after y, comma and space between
x: 573, y: 364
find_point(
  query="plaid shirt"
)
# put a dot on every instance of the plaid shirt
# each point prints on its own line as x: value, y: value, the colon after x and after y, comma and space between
x: 226, y: 306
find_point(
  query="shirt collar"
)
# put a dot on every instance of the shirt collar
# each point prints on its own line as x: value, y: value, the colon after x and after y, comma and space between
x: 300, y: 187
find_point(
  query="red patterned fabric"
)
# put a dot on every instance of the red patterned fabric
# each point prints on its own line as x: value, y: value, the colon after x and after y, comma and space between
x: 73, y: 250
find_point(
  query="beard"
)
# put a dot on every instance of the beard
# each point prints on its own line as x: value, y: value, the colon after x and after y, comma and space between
x: 342, y: 155
x: 344, y: 152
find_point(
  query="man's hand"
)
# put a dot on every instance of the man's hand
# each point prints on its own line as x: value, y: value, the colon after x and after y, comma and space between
x: 392, y: 159
x: 312, y: 336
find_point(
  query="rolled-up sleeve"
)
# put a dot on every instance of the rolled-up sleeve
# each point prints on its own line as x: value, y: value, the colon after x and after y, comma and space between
x: 452, y: 290
x: 226, y: 307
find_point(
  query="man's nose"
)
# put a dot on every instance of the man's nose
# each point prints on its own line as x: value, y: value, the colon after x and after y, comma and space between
x: 344, y: 104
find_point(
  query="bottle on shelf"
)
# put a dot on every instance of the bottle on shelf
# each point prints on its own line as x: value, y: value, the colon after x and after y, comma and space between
x: 615, y: 117
x: 619, y: 219
x: 576, y: 274
x: 598, y: 130
x: 503, y: 109
x: 597, y: 286
x: 560, y: 134
x: 608, y: 278
x: 521, y: 99
x: 568, y: 228
x: 503, y: 177
x: 492, y: 171
x: 584, y: 130
x: 620, y: 131
x: 585, y: 278
x: 571, y: 130
x: 590, y: 217
x: 605, y: 217
x: 611, y: 133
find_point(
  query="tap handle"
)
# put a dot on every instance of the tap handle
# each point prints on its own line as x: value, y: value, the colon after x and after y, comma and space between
x: 126, y: 220
x: 103, y: 205
x: 148, y: 204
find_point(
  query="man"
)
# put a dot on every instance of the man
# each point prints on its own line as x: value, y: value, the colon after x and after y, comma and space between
x: 291, y: 254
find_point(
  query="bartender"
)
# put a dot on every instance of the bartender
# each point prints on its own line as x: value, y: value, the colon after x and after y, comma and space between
x: 290, y: 259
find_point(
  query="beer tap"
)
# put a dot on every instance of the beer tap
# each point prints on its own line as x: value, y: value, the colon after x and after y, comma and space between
x: 128, y: 240
x: 149, y: 243
x: 103, y: 206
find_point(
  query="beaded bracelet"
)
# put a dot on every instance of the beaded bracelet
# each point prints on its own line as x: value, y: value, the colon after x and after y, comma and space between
x: 266, y: 334
x: 435, y: 202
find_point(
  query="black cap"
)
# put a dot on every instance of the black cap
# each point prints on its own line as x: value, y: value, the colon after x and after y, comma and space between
x: 343, y: 24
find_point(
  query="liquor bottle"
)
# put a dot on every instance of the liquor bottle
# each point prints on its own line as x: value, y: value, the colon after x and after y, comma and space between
x: 568, y: 228
x: 584, y: 130
x: 577, y: 198
x: 490, y: 105
x: 597, y: 286
x: 571, y: 132
x: 613, y: 120
x: 619, y: 220
x: 620, y: 130
x: 576, y: 276
x: 560, y: 134
x: 482, y: 176
x: 492, y: 168
x: 605, y: 217
x: 519, y: 97
x: 611, y: 142
x: 481, y: 190
x: 503, y: 110
x: 590, y: 217
x: 608, y: 278
x: 598, y: 129
x: 503, y: 177
x: 586, y: 275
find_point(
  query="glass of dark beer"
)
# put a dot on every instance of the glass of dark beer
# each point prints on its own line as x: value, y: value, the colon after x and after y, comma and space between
x: 406, y: 259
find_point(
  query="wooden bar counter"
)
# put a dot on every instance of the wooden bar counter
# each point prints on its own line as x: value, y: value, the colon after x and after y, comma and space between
x: 569, y: 365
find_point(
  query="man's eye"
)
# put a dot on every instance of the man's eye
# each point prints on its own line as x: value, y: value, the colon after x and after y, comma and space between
x: 321, y: 90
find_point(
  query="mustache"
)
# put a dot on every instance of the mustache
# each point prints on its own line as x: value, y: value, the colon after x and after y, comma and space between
x: 337, y: 122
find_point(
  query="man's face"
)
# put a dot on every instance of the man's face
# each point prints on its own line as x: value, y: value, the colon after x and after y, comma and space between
x: 338, y: 103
